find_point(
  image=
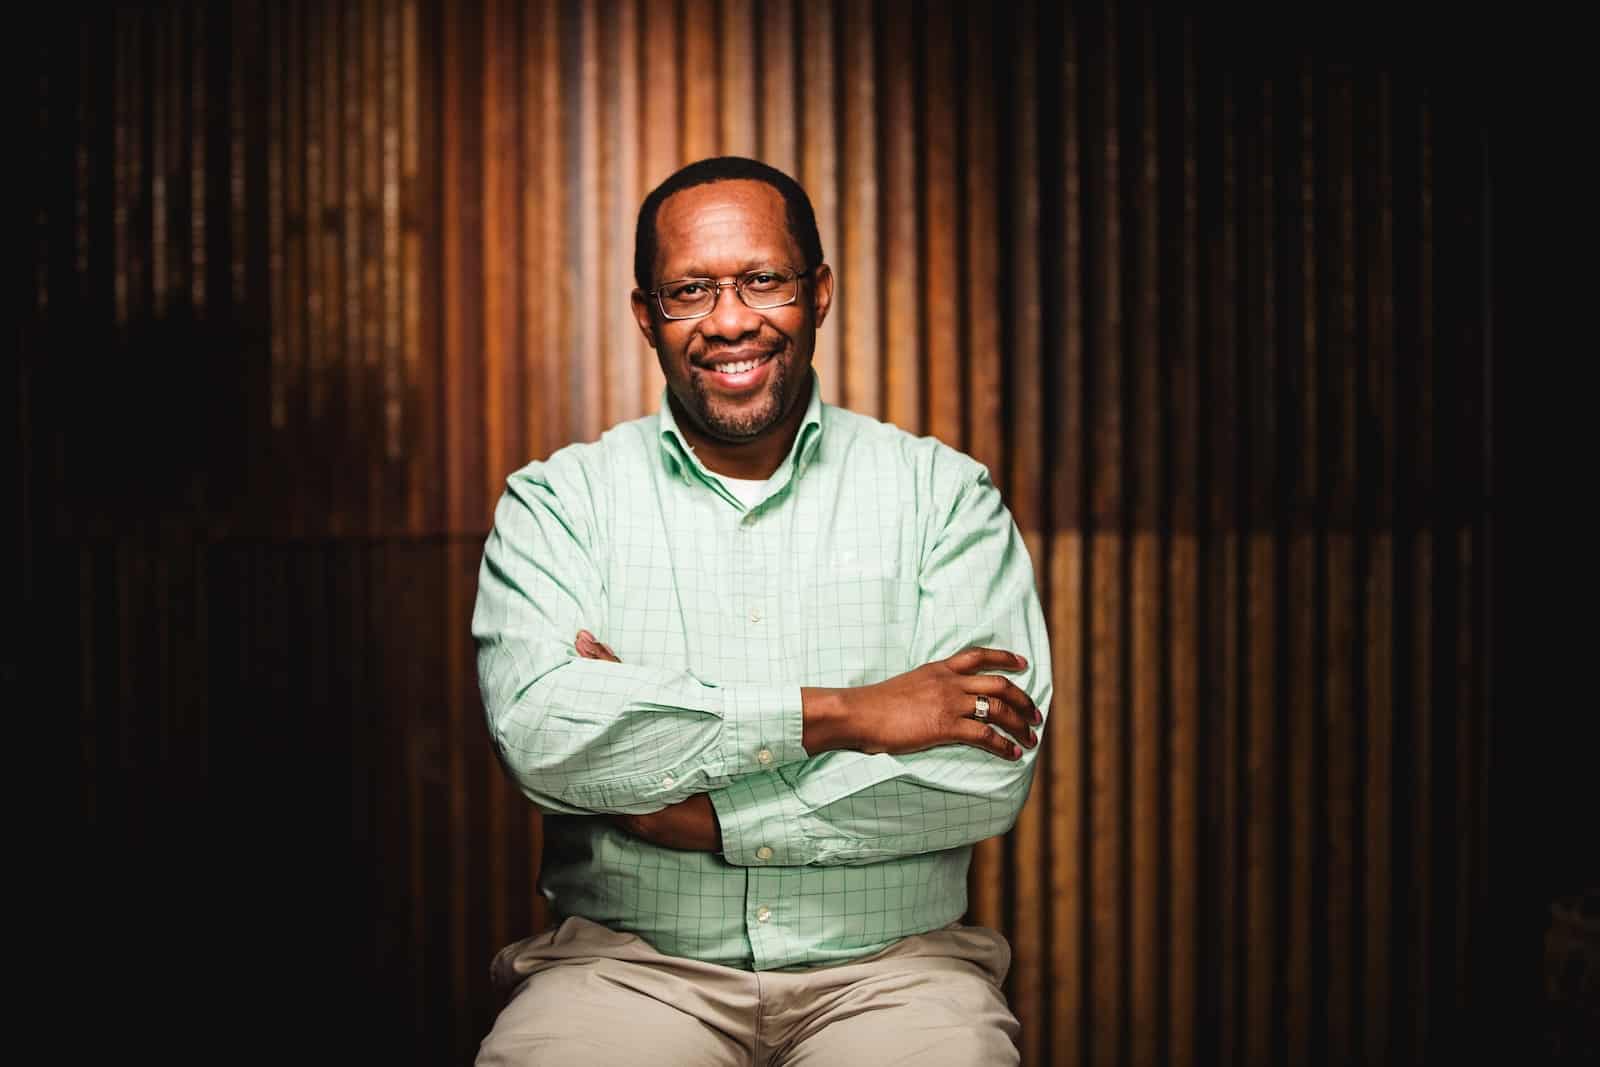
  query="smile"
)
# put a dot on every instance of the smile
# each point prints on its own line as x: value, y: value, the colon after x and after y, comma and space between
x: 740, y: 373
x: 740, y: 367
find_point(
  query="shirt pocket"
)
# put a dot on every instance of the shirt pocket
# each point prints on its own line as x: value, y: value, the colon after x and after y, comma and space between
x: 858, y: 625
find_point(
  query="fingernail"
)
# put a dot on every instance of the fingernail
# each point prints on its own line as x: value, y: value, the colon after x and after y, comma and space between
x: 1016, y: 751
x: 585, y: 641
x: 1038, y: 717
x: 1020, y: 661
x: 1033, y: 739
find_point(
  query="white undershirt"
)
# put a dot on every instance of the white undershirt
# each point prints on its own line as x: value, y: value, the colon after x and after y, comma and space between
x: 749, y: 491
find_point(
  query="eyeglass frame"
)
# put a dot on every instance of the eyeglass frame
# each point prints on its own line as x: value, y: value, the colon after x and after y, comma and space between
x: 716, y: 299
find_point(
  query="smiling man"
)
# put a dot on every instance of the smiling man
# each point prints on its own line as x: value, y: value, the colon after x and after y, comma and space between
x: 770, y: 668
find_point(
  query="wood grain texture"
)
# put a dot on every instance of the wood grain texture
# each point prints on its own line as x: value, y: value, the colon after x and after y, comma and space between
x: 1208, y: 320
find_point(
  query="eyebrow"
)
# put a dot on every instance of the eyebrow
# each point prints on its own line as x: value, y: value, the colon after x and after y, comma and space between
x: 695, y: 270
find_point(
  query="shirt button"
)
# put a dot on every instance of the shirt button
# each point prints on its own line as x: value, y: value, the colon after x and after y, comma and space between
x: 755, y: 614
x: 764, y: 756
x: 763, y: 853
x: 666, y: 783
x: 763, y: 913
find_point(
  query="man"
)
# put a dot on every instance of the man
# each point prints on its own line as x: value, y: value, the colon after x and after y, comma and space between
x: 770, y: 668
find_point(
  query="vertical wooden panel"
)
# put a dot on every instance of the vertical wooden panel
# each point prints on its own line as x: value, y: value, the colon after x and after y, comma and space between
x: 1025, y: 478
x: 122, y: 187
x: 548, y: 290
x: 819, y: 173
x: 327, y: 256
x: 980, y: 256
x: 699, y: 123
x: 1299, y: 392
x: 1409, y: 1032
x: 369, y: 245
x: 775, y: 38
x: 160, y: 133
x: 631, y: 391
x: 1068, y: 737
x: 417, y: 318
x: 247, y: 22
x: 861, y: 278
x: 1346, y: 656
x: 355, y: 381
x: 391, y: 257
x: 662, y: 93
x: 1224, y: 508
x: 1187, y: 700
x: 943, y: 275
x: 1109, y: 896
x: 501, y: 396
x: 199, y: 120
x: 743, y: 81
x: 314, y: 292
x: 902, y: 285
x: 456, y: 286
x: 1146, y: 821
x: 1262, y: 984
x: 502, y: 392
x: 589, y: 334
x: 1386, y: 630
x: 279, y: 298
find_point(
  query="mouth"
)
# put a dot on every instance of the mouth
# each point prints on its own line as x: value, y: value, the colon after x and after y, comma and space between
x: 736, y: 375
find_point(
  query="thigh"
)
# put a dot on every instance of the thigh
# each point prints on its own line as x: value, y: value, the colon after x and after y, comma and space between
x: 947, y: 1013
x: 592, y: 1011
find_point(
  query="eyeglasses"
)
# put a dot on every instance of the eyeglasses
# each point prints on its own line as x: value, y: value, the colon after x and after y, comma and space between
x: 764, y: 288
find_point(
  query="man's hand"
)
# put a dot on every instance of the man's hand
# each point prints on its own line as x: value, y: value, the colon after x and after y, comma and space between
x: 690, y: 825
x: 590, y: 648
x: 935, y: 704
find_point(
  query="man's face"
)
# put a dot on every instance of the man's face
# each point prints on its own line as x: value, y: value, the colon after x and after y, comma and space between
x: 721, y: 230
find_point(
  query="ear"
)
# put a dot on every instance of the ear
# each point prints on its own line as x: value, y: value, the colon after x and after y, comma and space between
x: 641, y: 315
x: 821, y: 292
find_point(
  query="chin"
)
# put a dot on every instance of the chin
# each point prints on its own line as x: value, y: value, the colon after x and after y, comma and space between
x: 739, y: 425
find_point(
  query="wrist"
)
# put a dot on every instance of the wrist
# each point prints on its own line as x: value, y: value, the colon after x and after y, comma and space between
x: 826, y: 720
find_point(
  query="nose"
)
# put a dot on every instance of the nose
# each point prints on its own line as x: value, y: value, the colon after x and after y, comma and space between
x: 730, y: 317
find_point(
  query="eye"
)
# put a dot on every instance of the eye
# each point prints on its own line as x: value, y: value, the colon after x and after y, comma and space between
x: 763, y: 280
x: 686, y: 290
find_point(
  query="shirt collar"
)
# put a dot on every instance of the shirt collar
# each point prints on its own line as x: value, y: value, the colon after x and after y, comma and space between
x: 680, y: 458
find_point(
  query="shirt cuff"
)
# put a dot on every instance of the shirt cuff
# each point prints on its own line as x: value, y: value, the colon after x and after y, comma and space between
x: 760, y: 819
x: 762, y: 728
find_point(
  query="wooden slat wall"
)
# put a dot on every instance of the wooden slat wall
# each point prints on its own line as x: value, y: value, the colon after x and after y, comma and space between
x: 312, y: 278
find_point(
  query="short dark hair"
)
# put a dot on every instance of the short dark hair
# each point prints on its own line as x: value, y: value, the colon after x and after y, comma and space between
x: 797, y: 207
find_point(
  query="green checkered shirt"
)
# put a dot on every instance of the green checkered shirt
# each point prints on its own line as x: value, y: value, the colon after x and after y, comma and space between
x: 872, y: 552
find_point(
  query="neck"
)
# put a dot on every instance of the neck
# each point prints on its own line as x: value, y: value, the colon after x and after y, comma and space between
x: 755, y: 459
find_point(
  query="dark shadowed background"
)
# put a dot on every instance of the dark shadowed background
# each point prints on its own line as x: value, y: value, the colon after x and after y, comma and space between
x: 1213, y: 298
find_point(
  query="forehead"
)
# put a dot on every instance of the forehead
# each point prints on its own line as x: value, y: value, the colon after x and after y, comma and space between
x: 722, y: 227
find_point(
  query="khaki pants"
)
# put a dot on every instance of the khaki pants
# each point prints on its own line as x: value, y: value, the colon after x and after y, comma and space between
x: 589, y: 995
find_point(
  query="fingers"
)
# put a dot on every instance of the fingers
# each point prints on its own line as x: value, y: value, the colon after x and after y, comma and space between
x: 589, y: 648
x: 971, y: 660
x: 1006, y: 716
x: 992, y: 686
x: 978, y: 735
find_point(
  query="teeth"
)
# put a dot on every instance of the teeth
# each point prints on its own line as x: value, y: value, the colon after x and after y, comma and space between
x: 740, y: 367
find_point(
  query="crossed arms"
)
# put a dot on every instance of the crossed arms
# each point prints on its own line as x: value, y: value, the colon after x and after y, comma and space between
x: 787, y: 774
